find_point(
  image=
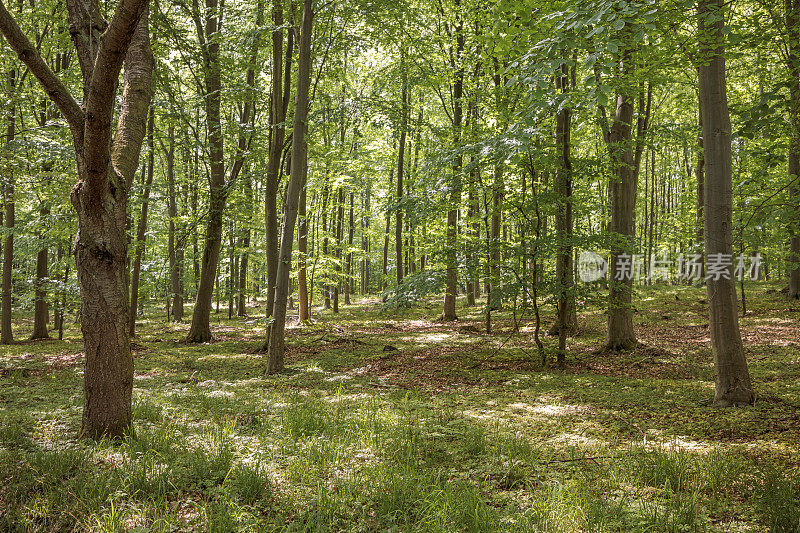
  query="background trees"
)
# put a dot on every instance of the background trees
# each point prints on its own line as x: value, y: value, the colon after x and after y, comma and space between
x: 455, y: 148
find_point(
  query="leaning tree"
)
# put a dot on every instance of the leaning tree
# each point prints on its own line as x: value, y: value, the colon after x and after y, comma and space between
x: 106, y: 165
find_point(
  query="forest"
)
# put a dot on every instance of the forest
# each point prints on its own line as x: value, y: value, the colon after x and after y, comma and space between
x: 400, y: 265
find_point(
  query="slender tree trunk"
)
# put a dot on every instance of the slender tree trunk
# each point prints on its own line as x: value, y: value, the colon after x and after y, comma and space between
x: 142, y: 228
x: 451, y: 284
x: 339, y: 258
x: 385, y: 284
x: 793, y: 30
x: 279, y: 102
x: 176, y: 296
x: 299, y: 168
x: 732, y: 379
x: 563, y: 188
x: 241, y: 309
x: 303, y: 313
x: 6, y: 335
x: 699, y: 173
x: 398, y: 230
x: 366, y: 215
x: 348, y: 280
x: 200, y: 330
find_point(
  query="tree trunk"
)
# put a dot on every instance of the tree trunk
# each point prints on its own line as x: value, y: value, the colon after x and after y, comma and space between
x: 384, y: 283
x: 563, y: 187
x: 622, y: 187
x: 303, y: 311
x: 349, y: 266
x: 398, y: 230
x: 172, y: 210
x: 142, y: 228
x: 279, y: 102
x: 200, y: 330
x: 241, y: 309
x: 732, y: 379
x: 299, y: 168
x: 6, y: 335
x: 451, y: 284
x: 339, y: 235
x: 793, y: 30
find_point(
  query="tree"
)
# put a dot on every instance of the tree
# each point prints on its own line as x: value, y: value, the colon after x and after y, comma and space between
x: 732, y: 379
x: 299, y: 168
x: 105, y: 172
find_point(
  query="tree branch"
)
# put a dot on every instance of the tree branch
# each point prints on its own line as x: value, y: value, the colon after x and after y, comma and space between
x: 103, y: 89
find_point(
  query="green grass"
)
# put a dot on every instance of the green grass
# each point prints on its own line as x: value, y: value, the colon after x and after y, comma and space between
x: 452, y: 432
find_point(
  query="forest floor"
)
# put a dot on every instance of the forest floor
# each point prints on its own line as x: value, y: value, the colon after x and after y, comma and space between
x: 390, y: 420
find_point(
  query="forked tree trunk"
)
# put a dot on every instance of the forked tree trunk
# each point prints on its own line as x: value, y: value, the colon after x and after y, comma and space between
x: 299, y: 168
x: 732, y: 379
x: 99, y: 198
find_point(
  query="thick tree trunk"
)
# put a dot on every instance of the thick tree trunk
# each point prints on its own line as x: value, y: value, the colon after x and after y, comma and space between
x: 732, y: 379
x: 142, y: 228
x: 299, y: 168
x: 622, y: 187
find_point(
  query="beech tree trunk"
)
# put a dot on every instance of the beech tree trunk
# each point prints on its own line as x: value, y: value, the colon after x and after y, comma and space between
x: 563, y: 186
x: 142, y: 227
x: 241, y: 308
x: 281, y: 83
x: 200, y: 330
x: 349, y: 265
x: 621, y: 335
x: 6, y: 334
x: 732, y: 384
x: 398, y: 230
x: 793, y: 30
x: 297, y: 176
x: 303, y: 310
x: 451, y: 275
x: 175, y: 262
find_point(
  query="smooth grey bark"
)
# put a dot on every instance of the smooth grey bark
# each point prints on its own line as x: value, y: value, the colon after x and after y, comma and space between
x: 793, y: 31
x: 732, y: 384
x: 141, y: 230
x: 299, y: 168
